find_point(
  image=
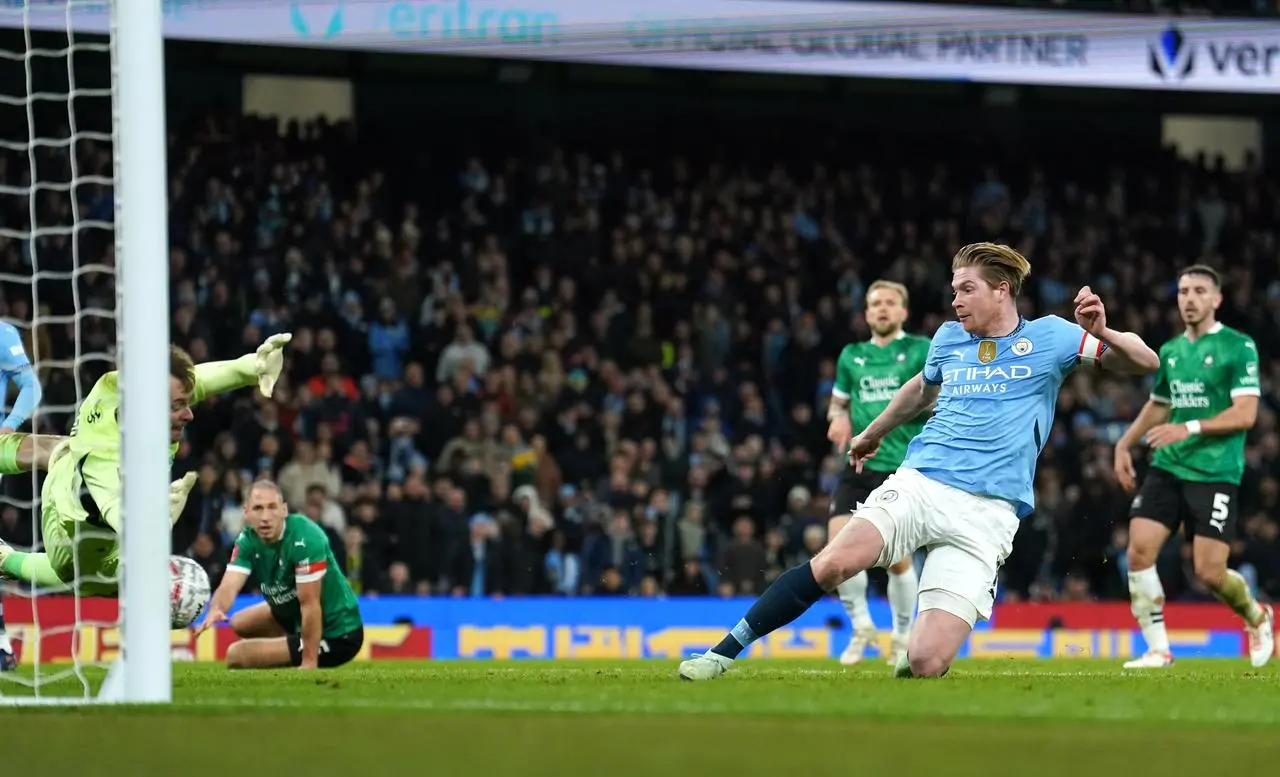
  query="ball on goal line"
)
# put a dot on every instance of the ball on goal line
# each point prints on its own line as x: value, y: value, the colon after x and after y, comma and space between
x: 188, y: 591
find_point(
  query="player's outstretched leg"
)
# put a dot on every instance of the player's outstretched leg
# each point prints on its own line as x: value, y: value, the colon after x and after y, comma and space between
x: 72, y: 546
x: 27, y: 567
x: 1210, y: 559
x: 1146, y: 594
x: 854, y: 549
x: 903, y: 588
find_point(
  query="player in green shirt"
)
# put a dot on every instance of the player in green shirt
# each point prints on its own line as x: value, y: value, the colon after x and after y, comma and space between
x: 310, y: 618
x: 80, y: 499
x: 1203, y: 403
x: 867, y: 376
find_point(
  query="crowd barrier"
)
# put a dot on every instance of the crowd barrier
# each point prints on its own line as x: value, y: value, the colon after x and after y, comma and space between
x: 608, y: 628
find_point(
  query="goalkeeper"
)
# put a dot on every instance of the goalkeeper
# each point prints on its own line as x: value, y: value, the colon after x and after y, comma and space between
x: 80, y: 500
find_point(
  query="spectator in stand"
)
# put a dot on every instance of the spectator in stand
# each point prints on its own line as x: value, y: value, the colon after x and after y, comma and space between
x: 585, y: 369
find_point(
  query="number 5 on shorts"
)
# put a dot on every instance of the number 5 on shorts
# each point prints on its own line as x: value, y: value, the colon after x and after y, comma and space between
x: 1221, y: 510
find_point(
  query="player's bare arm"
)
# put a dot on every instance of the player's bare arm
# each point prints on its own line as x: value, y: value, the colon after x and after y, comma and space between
x: 312, y: 623
x: 1240, y: 417
x: 839, y: 427
x: 1126, y: 352
x: 915, y: 396
x: 1153, y: 414
x: 224, y: 598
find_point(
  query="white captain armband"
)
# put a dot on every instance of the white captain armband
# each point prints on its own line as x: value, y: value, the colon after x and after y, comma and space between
x: 1091, y: 350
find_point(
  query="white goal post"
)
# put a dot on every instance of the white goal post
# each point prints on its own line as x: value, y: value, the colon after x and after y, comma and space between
x: 142, y: 251
x: 143, y: 671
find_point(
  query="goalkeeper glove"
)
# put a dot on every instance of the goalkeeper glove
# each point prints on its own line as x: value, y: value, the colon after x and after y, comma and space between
x: 178, y: 491
x: 269, y: 361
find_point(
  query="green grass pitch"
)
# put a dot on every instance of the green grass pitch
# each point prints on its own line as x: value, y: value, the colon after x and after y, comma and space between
x: 1074, y: 718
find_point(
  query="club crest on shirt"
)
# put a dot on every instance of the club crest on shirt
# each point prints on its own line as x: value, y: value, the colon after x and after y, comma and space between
x: 886, y: 496
x: 987, y: 351
x: 1021, y: 347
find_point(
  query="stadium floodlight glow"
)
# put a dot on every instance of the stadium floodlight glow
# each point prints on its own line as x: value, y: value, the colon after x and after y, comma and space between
x: 54, y: 146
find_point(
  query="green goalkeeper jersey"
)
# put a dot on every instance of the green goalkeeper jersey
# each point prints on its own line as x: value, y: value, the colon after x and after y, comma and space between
x: 1198, y: 380
x: 97, y: 424
x: 868, y: 375
x: 302, y: 555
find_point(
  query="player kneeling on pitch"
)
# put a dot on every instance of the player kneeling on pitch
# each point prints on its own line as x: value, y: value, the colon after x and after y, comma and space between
x: 966, y: 481
x: 310, y: 618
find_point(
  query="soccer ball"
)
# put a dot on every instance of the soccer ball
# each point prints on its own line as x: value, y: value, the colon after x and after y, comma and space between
x: 188, y: 591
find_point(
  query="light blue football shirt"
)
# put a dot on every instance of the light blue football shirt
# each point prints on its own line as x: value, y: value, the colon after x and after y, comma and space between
x: 996, y: 404
x: 16, y: 367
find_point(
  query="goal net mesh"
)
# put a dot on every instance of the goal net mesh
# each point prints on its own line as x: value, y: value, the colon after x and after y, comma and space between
x: 57, y: 285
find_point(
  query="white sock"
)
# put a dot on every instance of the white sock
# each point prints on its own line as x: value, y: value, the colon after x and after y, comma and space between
x: 903, y: 589
x: 5, y: 644
x: 853, y: 595
x: 1146, y: 600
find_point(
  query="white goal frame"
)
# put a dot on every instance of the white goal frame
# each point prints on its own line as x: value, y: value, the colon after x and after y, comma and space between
x: 143, y: 672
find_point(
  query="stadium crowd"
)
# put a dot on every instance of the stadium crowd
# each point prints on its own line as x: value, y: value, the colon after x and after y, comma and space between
x: 587, y: 370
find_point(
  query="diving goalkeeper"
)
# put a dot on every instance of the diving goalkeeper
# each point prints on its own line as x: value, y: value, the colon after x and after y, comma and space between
x: 80, y: 500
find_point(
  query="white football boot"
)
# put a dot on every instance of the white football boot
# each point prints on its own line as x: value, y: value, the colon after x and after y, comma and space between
x: 1152, y: 659
x: 1262, y: 638
x: 857, y: 647
x: 707, y: 666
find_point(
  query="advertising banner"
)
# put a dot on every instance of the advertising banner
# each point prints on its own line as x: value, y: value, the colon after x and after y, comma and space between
x: 864, y: 39
x: 420, y: 628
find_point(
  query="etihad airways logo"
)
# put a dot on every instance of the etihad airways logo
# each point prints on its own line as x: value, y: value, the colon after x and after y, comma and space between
x: 983, y: 380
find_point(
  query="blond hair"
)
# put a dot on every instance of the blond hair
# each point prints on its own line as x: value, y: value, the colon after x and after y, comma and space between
x: 997, y: 263
x: 891, y: 286
x: 183, y: 368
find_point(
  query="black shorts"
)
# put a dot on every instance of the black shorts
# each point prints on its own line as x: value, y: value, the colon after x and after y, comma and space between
x: 334, y: 651
x: 1201, y: 509
x: 854, y: 488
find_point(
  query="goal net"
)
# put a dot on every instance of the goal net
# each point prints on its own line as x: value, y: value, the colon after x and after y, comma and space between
x: 83, y: 276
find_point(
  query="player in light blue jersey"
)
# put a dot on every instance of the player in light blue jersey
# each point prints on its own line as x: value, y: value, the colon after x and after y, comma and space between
x: 15, y: 367
x: 967, y: 478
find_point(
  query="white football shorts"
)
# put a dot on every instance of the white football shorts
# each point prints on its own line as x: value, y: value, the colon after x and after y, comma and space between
x: 968, y: 537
